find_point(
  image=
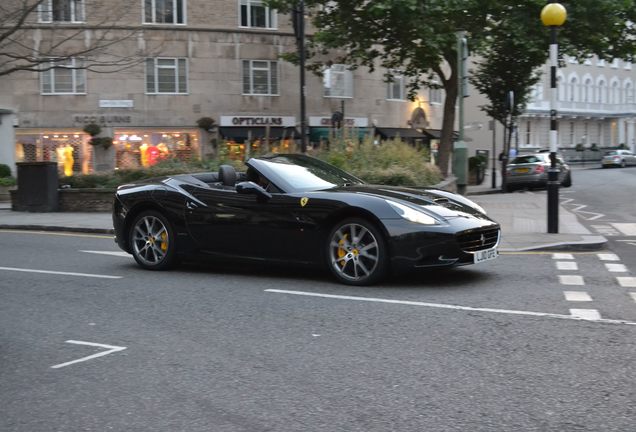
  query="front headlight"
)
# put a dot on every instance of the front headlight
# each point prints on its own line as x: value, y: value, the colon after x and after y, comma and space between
x: 411, y: 214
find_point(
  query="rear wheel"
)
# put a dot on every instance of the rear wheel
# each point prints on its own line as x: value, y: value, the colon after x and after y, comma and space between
x: 356, y: 252
x: 152, y: 241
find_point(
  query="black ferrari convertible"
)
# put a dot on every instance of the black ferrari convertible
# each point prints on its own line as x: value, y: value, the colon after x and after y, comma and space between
x: 295, y: 208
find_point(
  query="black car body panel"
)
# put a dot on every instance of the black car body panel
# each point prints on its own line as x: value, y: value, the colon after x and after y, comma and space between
x: 292, y: 223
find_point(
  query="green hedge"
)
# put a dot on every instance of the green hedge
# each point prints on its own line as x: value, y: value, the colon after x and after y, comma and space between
x: 391, y: 163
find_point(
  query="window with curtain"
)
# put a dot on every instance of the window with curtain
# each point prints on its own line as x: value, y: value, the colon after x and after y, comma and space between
x: 64, y: 77
x: 166, y: 76
x: 164, y: 11
x: 254, y: 13
x: 61, y: 11
x: 260, y: 77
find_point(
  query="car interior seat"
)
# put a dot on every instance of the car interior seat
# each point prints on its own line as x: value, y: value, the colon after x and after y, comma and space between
x: 227, y: 175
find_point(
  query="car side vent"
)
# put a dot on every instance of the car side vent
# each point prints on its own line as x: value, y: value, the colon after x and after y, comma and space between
x: 476, y: 240
x: 441, y: 201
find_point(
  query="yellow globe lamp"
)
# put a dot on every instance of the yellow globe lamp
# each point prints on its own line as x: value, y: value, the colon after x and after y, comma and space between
x: 553, y: 15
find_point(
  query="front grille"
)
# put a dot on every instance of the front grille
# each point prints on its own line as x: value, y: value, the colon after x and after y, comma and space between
x: 476, y: 240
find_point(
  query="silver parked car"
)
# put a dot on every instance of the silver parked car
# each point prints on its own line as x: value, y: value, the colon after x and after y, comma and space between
x: 531, y: 170
x: 620, y: 158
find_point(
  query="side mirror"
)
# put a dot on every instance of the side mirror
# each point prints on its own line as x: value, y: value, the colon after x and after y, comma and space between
x: 251, y: 188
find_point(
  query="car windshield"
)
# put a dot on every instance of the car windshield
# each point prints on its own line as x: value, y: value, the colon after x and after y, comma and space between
x: 611, y: 153
x: 304, y: 173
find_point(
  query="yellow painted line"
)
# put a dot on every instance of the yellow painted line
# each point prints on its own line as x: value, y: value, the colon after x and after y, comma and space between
x: 101, y: 236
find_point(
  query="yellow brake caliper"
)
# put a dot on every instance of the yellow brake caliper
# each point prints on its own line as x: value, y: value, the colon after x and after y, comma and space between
x: 341, y: 251
x: 164, y: 241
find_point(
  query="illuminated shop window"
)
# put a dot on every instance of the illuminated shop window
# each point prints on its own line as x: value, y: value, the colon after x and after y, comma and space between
x: 145, y: 148
x: 70, y: 149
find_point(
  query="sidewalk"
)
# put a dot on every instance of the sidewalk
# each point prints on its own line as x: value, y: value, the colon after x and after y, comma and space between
x: 522, y: 216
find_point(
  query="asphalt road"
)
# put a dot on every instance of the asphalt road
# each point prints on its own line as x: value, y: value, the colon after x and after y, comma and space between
x: 492, y: 347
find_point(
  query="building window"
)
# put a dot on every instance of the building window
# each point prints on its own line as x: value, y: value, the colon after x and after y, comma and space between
x: 528, y: 133
x: 588, y: 90
x: 601, y: 96
x: 395, y: 88
x: 260, y: 77
x: 572, y: 135
x: 166, y: 76
x: 61, y: 11
x: 573, y: 90
x: 629, y: 93
x: 599, y: 135
x: 65, y: 77
x: 254, y: 13
x: 435, y: 95
x: 164, y: 11
x: 338, y: 81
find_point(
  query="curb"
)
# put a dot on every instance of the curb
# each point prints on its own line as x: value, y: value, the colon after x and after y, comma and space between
x: 50, y: 228
x: 590, y: 243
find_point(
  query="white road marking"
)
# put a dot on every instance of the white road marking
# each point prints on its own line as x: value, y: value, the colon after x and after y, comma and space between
x: 629, y: 242
x: 577, y: 296
x: 605, y: 230
x: 633, y: 295
x: 582, y: 206
x: 608, y: 257
x: 571, y: 280
x: 627, y: 281
x: 567, y: 265
x: 110, y: 348
x: 60, y: 273
x: 562, y: 256
x: 593, y: 217
x: 628, y: 229
x: 586, y: 314
x: 567, y: 201
x: 616, y: 268
x: 115, y: 253
x: 448, y: 306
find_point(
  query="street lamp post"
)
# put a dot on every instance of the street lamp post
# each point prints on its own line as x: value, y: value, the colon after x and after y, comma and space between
x: 553, y: 15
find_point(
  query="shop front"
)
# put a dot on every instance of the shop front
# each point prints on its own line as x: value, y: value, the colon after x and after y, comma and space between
x: 242, y: 136
x: 144, y: 147
x: 70, y: 148
x: 132, y: 148
x: 323, y: 129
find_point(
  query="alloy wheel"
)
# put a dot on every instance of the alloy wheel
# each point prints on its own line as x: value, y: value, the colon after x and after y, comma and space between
x: 150, y: 240
x: 354, y: 252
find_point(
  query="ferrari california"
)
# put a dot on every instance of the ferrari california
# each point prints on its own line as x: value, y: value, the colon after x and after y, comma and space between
x: 293, y: 208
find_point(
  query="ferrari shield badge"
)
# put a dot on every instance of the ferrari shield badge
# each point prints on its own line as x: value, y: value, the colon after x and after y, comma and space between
x: 304, y: 201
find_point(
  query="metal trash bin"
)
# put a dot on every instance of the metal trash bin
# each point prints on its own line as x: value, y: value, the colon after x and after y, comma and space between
x: 37, y: 187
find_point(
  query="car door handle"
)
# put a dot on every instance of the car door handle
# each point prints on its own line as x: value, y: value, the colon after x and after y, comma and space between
x: 190, y: 205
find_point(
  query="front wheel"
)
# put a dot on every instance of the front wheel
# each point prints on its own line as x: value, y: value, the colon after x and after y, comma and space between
x: 152, y: 241
x: 567, y: 181
x: 357, y: 252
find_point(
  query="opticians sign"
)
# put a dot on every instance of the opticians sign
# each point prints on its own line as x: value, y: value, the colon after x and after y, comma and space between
x: 258, y: 121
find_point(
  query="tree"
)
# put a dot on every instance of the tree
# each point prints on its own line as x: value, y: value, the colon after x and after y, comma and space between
x: 418, y: 38
x: 62, y: 35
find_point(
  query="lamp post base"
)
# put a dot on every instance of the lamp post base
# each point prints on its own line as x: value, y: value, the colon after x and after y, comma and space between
x: 553, y: 200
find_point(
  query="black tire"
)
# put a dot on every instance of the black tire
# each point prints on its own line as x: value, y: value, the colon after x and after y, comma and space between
x: 567, y: 181
x: 356, y: 252
x: 153, y: 241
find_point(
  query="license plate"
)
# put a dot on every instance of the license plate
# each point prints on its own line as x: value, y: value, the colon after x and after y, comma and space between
x: 485, y: 255
x: 522, y: 170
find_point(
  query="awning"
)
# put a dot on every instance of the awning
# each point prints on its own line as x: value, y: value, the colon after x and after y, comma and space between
x: 241, y: 134
x: 437, y: 133
x: 406, y: 133
x: 317, y: 134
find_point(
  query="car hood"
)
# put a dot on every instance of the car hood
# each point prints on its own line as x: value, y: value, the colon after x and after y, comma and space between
x: 441, y: 203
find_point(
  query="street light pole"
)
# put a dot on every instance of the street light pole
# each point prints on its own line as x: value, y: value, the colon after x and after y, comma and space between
x: 553, y: 15
x: 299, y: 29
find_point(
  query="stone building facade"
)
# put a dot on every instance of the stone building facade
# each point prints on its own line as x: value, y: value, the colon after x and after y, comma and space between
x: 217, y: 59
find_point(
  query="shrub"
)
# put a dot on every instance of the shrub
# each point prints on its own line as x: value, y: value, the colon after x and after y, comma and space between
x: 7, y: 181
x: 92, y: 129
x: 393, y: 162
x: 5, y: 171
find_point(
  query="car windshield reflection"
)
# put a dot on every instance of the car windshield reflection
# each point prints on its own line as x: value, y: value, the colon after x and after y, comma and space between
x: 308, y: 174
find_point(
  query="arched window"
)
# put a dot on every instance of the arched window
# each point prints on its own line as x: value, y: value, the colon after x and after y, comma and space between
x: 588, y: 91
x: 601, y: 92
x: 628, y: 94
x: 560, y: 88
x: 573, y: 90
x: 615, y: 96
